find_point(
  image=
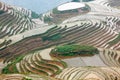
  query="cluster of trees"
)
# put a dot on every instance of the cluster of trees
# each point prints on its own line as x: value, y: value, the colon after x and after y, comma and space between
x: 55, y: 11
x: 34, y: 15
x: 11, y: 67
x: 72, y: 50
x: 52, y: 37
x: 47, y: 19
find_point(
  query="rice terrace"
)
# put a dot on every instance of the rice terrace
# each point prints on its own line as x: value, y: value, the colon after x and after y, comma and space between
x: 76, y: 40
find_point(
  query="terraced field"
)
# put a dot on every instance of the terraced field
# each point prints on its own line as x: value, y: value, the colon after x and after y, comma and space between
x: 110, y: 57
x: 106, y: 57
x: 24, y: 77
x: 92, y: 33
x: 14, y: 20
x: 35, y: 64
x: 26, y: 43
x: 90, y: 73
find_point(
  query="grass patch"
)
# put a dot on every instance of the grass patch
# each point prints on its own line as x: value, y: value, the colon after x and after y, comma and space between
x: 52, y: 38
x: 115, y: 41
x: 11, y: 68
x: 74, y: 50
x: 65, y: 65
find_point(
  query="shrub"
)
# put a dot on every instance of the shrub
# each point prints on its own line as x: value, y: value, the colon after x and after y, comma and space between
x: 11, y: 68
x: 47, y: 19
x: 55, y: 11
x: 52, y: 38
x: 73, y: 50
x: 115, y: 41
x: 34, y: 15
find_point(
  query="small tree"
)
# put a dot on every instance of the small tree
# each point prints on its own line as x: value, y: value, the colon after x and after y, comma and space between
x: 55, y: 11
x: 34, y: 15
x: 47, y: 19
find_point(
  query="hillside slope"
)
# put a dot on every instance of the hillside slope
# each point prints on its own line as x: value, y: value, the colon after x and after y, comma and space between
x: 96, y: 24
x: 14, y: 20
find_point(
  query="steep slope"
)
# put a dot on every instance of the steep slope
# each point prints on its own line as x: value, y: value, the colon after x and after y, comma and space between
x: 89, y: 32
x: 96, y: 24
x: 110, y: 57
x: 14, y: 20
x: 90, y: 73
x: 34, y: 63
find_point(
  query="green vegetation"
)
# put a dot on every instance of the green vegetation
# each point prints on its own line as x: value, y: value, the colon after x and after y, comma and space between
x: 47, y: 19
x: 34, y: 15
x: 5, y: 43
x: 40, y: 16
x: 59, y: 71
x: 55, y: 11
x: 115, y: 41
x: 65, y: 64
x: 25, y: 78
x: 52, y: 37
x: 73, y: 50
x: 55, y: 34
x: 6, y: 70
x: 11, y: 68
x: 1, y: 12
x: 87, y: 8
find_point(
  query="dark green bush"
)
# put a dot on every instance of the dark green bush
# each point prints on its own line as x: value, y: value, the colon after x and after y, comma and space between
x: 47, y: 19
x: 72, y: 50
x: 115, y: 41
x: 55, y: 11
x: 34, y: 15
x: 6, y: 70
x: 1, y: 12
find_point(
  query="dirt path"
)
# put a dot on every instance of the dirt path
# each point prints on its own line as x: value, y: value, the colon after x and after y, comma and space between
x: 45, y: 54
